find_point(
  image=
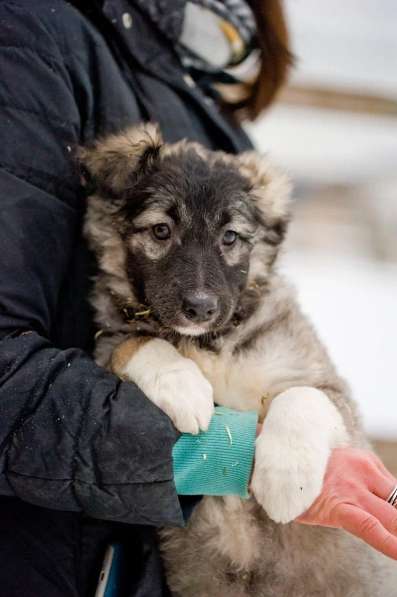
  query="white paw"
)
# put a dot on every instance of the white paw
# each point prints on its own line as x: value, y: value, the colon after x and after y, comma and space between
x: 185, y: 395
x: 175, y: 384
x: 286, y: 481
x: 299, y: 432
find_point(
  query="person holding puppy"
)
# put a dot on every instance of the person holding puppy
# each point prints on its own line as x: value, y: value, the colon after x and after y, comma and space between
x: 86, y: 458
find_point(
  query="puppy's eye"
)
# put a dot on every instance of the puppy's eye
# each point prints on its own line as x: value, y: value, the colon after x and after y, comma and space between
x: 229, y: 237
x: 161, y: 231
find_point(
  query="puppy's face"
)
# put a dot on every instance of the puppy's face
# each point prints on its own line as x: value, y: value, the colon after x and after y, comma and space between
x: 191, y: 226
x: 189, y: 229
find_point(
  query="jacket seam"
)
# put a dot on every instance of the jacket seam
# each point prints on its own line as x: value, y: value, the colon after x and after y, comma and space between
x: 58, y: 43
x: 32, y: 14
x: 51, y: 59
x: 51, y: 120
x: 48, y: 59
x: 73, y: 463
x: 19, y: 423
x: 40, y: 174
x: 94, y: 483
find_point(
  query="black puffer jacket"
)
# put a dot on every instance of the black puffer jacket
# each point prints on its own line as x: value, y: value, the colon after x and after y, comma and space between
x: 72, y: 436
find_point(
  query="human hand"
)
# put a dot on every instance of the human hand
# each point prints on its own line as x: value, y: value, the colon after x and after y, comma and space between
x: 356, y: 487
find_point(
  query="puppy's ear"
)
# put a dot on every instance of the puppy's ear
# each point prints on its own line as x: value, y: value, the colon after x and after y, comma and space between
x: 270, y: 193
x: 113, y: 164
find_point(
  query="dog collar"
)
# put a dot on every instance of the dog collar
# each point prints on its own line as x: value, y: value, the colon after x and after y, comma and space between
x: 128, y: 310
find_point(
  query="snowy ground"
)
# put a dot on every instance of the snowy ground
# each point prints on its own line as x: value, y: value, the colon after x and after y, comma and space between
x: 354, y: 307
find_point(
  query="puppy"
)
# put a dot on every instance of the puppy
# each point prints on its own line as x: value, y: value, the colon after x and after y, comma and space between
x: 193, y: 310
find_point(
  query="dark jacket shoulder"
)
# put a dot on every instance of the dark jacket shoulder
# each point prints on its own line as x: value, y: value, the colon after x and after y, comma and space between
x: 70, y: 432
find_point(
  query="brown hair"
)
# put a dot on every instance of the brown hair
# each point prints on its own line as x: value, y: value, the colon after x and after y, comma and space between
x: 276, y: 58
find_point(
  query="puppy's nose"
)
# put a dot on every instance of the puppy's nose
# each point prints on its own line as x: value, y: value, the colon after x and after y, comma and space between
x: 200, y: 307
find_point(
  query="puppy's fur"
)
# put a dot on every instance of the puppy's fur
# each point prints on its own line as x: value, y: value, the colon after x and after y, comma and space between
x: 192, y: 309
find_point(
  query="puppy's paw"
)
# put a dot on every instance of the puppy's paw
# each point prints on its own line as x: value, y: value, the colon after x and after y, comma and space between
x: 286, y: 479
x: 299, y: 432
x: 175, y: 384
x: 185, y: 395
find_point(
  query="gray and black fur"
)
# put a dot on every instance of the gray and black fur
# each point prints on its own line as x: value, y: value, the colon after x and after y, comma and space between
x: 186, y: 241
x: 200, y: 195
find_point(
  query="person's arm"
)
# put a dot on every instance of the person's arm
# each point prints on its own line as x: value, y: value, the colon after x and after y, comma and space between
x: 72, y: 436
x: 353, y: 497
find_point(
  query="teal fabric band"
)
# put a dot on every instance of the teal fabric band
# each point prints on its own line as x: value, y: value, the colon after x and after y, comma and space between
x: 218, y: 461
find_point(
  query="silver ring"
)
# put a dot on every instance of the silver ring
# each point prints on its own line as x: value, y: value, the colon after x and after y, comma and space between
x: 392, y: 499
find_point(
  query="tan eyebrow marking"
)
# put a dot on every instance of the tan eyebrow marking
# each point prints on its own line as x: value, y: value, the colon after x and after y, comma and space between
x: 240, y: 224
x: 150, y: 217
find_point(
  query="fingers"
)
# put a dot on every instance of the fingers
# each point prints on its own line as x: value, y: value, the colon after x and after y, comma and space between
x: 380, y: 509
x: 382, y: 484
x: 382, y: 469
x: 379, y: 480
x: 368, y: 528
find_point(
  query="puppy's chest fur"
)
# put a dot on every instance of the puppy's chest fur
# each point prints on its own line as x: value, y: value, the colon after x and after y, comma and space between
x: 255, y: 360
x: 244, y: 368
x: 237, y: 380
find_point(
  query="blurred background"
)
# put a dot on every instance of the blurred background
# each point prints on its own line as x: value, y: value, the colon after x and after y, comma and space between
x: 334, y: 130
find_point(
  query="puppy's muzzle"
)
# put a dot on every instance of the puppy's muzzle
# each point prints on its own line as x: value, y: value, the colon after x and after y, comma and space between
x: 200, y: 307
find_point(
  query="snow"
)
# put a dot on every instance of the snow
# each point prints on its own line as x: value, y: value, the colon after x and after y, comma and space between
x: 353, y: 304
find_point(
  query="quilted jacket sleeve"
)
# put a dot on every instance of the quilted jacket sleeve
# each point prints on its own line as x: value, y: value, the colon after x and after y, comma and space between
x: 72, y: 436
